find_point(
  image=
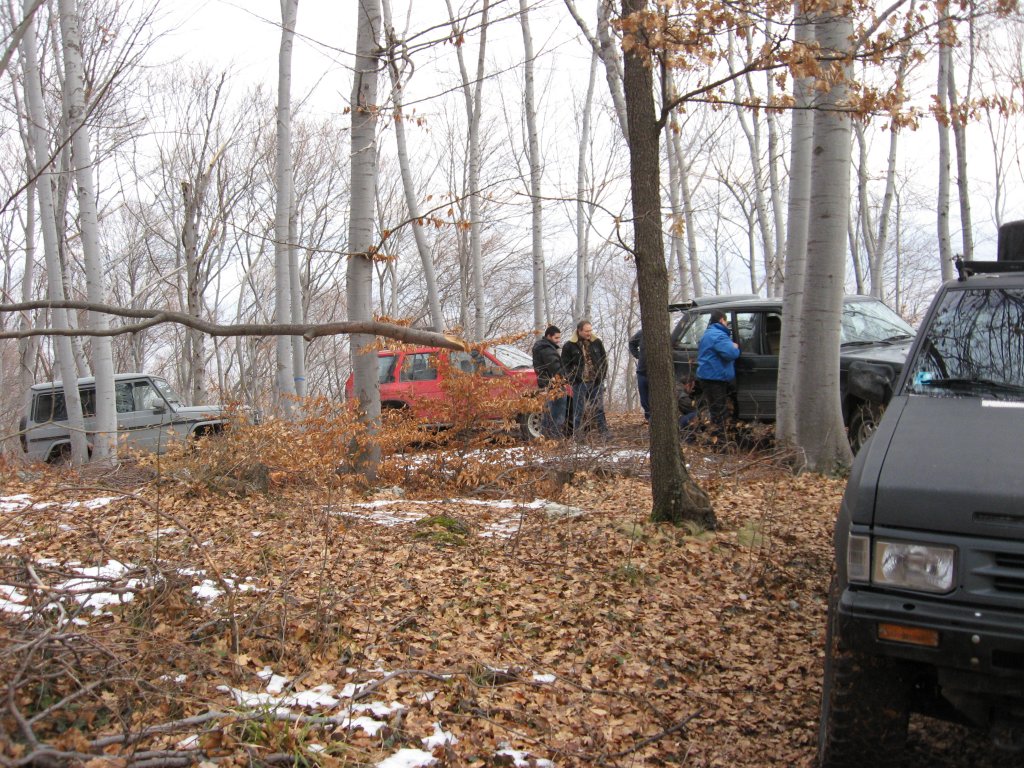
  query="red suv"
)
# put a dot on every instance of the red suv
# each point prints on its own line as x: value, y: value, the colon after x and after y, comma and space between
x: 419, y: 379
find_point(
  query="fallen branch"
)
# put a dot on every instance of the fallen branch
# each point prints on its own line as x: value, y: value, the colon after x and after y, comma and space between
x: 152, y: 317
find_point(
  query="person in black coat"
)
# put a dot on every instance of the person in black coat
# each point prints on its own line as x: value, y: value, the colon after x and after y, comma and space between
x: 586, y: 367
x: 636, y: 349
x: 547, y: 362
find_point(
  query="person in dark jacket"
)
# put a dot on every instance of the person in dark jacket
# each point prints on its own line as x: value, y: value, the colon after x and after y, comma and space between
x: 547, y: 362
x: 586, y: 366
x: 716, y: 369
x: 636, y: 349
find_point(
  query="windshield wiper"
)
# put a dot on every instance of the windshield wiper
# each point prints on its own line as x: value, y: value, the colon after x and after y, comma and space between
x: 974, y: 382
x: 899, y: 337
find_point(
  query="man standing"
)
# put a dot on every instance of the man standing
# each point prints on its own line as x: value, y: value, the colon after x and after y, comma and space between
x: 586, y: 366
x: 716, y: 370
x: 547, y: 362
x: 636, y: 349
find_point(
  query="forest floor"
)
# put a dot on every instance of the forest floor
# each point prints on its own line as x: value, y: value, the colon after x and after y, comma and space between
x: 511, y: 607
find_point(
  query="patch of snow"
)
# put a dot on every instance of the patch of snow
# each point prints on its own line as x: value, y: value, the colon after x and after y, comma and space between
x: 97, y: 503
x: 189, y: 742
x: 521, y: 758
x: 13, y: 601
x: 256, y: 535
x: 426, y: 697
x: 408, y: 758
x: 439, y: 738
x: 314, y: 698
x: 11, y: 542
x: 207, y: 590
x: 276, y: 683
x: 316, y: 748
x: 370, y: 726
x: 15, y: 503
x: 544, y: 678
x: 379, y: 708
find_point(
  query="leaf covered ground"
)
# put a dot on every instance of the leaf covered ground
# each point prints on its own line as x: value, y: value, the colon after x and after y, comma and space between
x: 502, y: 606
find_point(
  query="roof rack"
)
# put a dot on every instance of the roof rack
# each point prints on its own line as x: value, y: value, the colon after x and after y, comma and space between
x: 704, y: 301
x: 965, y: 269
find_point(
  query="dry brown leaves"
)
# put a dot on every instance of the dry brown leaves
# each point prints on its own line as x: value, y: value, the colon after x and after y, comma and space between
x: 599, y: 639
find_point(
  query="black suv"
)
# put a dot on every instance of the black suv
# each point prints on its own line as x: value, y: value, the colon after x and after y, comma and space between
x: 874, y: 344
x: 926, y: 609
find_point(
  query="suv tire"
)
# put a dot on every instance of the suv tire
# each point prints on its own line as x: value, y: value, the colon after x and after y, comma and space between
x: 865, y: 705
x: 863, y: 421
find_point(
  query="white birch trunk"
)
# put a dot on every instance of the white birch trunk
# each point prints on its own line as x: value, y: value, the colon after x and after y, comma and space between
x: 284, y: 379
x: 28, y: 347
x: 363, y: 187
x: 298, y: 307
x: 775, y: 283
x: 536, y: 210
x: 960, y: 142
x: 606, y: 49
x: 802, y: 143
x: 582, y: 194
x: 48, y: 224
x: 692, y: 254
x: 819, y: 419
x: 105, y: 436
x: 942, y: 204
x: 408, y: 185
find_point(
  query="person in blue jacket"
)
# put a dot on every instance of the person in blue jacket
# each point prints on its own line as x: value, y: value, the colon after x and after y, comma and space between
x: 716, y: 369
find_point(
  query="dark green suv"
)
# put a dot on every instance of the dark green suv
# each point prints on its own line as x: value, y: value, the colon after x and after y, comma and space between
x: 926, y: 609
x: 874, y: 341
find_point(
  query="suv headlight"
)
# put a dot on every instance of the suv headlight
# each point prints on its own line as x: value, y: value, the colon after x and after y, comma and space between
x: 908, y: 565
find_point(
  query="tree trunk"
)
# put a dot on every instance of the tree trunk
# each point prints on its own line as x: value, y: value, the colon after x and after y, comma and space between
x: 581, y: 305
x: 942, y: 205
x: 408, y: 185
x: 959, y: 126
x: 48, y: 224
x: 676, y: 497
x: 819, y: 420
x: 284, y: 380
x: 360, y: 233
x: 105, y: 436
x: 28, y: 347
x: 529, y: 106
x: 802, y: 143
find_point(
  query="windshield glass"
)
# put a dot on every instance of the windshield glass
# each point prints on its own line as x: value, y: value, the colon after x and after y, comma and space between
x: 974, y: 347
x: 511, y: 357
x: 167, y: 391
x: 872, y: 321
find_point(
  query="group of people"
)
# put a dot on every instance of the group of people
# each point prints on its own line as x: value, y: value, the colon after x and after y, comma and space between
x: 581, y: 364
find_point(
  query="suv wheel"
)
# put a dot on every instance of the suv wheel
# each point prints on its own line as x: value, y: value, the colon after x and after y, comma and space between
x: 864, y: 704
x: 530, y: 425
x: 863, y: 422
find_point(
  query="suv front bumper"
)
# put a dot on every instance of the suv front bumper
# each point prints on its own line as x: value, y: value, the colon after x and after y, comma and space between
x: 979, y: 649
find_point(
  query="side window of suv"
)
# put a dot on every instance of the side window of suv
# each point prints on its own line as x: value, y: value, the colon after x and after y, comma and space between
x: 690, y: 335
x: 419, y: 367
x: 744, y: 330
x: 123, y: 397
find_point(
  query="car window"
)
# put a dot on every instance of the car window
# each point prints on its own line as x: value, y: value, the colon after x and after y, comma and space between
x: 386, y: 368
x: 123, y: 397
x: 744, y: 330
x: 772, y: 333
x: 50, y: 406
x: 485, y: 366
x: 693, y: 328
x: 973, y: 346
x: 419, y: 367
x: 146, y: 396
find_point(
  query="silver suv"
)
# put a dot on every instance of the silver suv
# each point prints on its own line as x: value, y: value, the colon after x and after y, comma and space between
x: 150, y: 416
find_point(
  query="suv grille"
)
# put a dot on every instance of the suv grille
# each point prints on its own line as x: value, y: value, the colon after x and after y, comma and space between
x: 999, y: 574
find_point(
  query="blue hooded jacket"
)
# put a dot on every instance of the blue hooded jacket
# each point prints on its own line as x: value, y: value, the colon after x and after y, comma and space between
x: 716, y: 354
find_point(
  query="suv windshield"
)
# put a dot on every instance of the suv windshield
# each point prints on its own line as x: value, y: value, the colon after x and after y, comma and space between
x: 511, y: 357
x: 869, y: 322
x: 167, y: 391
x: 974, y: 347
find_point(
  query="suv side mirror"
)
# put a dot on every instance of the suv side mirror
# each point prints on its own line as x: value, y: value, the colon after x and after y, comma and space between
x: 159, y: 409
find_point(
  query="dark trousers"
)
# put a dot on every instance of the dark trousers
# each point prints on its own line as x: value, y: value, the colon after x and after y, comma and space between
x: 588, y: 399
x: 645, y: 394
x: 717, y: 395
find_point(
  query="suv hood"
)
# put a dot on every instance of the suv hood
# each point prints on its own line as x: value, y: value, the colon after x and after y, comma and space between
x: 200, y: 411
x: 884, y: 352
x: 953, y: 465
